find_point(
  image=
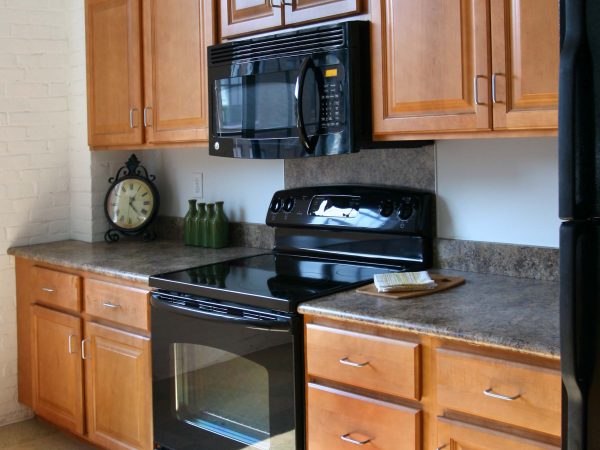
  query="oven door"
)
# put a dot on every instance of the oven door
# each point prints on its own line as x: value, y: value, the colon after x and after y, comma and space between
x: 285, y: 107
x: 225, y: 377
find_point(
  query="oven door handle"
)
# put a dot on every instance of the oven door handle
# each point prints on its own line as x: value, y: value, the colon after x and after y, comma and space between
x: 255, y: 324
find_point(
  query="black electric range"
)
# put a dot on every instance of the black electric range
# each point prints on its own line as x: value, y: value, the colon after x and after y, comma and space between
x: 227, y: 342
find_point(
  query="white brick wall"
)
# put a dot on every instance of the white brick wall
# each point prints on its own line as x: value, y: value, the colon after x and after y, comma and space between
x: 35, y: 136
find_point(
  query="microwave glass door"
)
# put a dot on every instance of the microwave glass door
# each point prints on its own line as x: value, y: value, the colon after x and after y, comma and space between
x: 264, y: 106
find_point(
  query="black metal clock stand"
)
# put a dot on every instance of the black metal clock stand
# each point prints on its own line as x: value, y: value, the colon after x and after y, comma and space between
x: 132, y: 168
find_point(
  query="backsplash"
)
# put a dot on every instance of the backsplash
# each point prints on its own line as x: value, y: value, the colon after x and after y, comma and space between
x: 408, y: 167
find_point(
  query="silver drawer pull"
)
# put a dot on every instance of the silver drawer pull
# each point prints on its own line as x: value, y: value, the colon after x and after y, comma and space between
x: 347, y: 438
x: 111, y: 305
x: 441, y: 447
x: 47, y: 290
x: 347, y: 362
x: 490, y: 393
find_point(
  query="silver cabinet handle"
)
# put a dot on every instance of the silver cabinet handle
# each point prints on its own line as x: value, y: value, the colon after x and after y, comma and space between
x: 83, y: 355
x: 494, y: 98
x: 490, y: 393
x: 441, y: 447
x: 111, y: 305
x: 131, y: 113
x: 71, y: 336
x: 476, y: 89
x: 347, y: 438
x: 347, y: 362
x: 146, y: 109
x: 47, y: 289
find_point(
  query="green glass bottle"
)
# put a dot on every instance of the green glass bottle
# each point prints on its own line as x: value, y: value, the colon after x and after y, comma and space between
x: 197, y: 225
x: 206, y: 230
x: 188, y: 221
x: 219, y: 227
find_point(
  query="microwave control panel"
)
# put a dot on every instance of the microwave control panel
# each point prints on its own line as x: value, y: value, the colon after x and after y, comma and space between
x: 331, y: 100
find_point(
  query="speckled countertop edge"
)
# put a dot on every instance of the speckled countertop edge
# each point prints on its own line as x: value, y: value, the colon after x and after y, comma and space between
x: 514, y: 313
x: 511, y: 313
x: 132, y: 261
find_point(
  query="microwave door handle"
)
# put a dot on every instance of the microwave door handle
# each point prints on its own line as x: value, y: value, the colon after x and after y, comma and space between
x: 264, y: 325
x: 307, y: 142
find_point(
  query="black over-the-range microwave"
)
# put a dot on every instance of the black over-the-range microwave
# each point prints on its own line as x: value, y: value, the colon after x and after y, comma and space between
x: 291, y: 95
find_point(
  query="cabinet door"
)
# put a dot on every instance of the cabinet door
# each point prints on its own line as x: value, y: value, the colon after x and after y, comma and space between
x: 118, y: 388
x: 452, y: 434
x: 176, y: 34
x: 429, y: 66
x: 57, y: 368
x: 301, y: 11
x: 114, y: 72
x: 249, y: 16
x: 525, y: 54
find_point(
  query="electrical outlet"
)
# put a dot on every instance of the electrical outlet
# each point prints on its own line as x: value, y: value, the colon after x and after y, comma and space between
x: 198, y: 184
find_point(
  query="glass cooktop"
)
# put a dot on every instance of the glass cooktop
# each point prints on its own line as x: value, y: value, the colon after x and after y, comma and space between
x: 273, y: 281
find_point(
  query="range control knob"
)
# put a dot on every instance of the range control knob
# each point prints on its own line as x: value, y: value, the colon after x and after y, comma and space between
x: 276, y: 205
x: 289, y: 204
x: 386, y: 208
x: 405, y: 211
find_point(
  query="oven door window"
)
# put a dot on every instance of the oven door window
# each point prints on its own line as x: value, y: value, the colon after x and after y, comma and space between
x: 222, y: 385
x: 224, y: 394
x: 263, y: 106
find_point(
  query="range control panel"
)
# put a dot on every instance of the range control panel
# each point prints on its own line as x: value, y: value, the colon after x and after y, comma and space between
x: 354, y: 208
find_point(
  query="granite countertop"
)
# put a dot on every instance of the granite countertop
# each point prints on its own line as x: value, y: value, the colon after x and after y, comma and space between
x: 516, y: 313
x: 128, y: 260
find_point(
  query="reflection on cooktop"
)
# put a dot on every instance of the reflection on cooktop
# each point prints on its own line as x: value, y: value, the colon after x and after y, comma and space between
x: 282, y: 276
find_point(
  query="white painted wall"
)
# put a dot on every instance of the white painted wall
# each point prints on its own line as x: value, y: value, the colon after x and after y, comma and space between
x: 246, y: 186
x: 498, y: 190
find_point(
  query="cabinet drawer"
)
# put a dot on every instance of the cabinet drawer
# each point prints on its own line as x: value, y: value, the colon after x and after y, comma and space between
x: 455, y: 434
x: 372, y: 362
x: 335, y: 418
x: 517, y: 394
x: 56, y: 288
x: 122, y: 304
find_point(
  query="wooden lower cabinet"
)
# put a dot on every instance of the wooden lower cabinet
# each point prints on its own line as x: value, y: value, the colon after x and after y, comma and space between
x: 453, y: 434
x: 57, y: 368
x: 338, y: 419
x: 118, y: 389
x: 87, y: 371
x: 470, y: 396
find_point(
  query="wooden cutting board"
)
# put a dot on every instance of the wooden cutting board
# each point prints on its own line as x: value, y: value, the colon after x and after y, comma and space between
x: 443, y: 283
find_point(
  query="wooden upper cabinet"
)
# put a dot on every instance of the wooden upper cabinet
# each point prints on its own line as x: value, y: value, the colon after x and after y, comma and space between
x: 113, y: 72
x: 56, y: 365
x: 176, y: 34
x: 118, y: 388
x: 301, y: 11
x: 525, y: 55
x: 240, y: 17
x: 429, y: 66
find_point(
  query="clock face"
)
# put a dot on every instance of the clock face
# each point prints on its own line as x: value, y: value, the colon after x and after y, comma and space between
x: 130, y: 203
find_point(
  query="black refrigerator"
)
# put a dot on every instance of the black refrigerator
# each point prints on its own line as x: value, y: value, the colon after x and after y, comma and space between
x: 579, y: 208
